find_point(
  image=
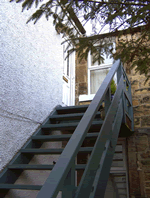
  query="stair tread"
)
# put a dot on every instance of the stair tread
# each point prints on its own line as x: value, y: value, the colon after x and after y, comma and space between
x: 71, y: 109
x: 20, y: 186
x: 72, y: 124
x: 60, y: 137
x: 53, y: 151
x: 66, y: 115
x: 71, y: 115
x: 40, y: 167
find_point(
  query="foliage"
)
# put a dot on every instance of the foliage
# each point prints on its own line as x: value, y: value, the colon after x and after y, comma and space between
x: 119, y: 17
x: 113, y: 87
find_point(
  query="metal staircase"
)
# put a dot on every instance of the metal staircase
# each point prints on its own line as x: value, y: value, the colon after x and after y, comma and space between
x: 80, y: 126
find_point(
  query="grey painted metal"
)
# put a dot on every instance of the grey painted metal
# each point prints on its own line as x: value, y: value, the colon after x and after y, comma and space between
x: 53, y: 151
x: 107, y: 100
x: 30, y: 167
x: 69, y: 184
x: 67, y: 125
x: 69, y: 116
x: 59, y: 137
x: 126, y: 77
x: 66, y: 160
x: 104, y: 135
x: 64, y: 116
x: 102, y: 174
x: 19, y: 186
x: 129, y: 97
x: 131, y: 109
x: 72, y: 109
x: 40, y: 167
x: 119, y: 73
x: 114, y: 185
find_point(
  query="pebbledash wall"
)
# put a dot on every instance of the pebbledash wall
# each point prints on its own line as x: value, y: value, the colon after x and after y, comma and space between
x: 138, y: 145
x: 31, y: 64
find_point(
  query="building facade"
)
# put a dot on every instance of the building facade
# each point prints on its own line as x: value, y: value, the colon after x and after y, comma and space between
x: 137, y: 146
x: 31, y: 69
x: 35, y: 77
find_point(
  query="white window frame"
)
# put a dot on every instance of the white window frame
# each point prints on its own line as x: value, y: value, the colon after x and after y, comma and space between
x: 95, y: 67
x: 90, y: 96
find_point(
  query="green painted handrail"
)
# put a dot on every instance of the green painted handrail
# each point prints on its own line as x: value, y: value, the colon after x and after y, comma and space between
x: 62, y: 175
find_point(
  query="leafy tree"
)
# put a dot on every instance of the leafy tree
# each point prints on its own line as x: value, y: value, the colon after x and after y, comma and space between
x: 120, y: 17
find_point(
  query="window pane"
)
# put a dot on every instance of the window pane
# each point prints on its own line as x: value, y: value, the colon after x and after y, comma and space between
x: 107, y: 60
x: 96, y: 79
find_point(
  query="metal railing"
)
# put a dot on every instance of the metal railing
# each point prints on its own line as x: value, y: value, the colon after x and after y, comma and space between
x: 94, y: 180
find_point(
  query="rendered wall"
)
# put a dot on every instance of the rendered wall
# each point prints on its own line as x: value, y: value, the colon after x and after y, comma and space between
x: 30, y: 76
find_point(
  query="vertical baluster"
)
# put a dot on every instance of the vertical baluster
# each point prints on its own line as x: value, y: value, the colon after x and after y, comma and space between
x: 131, y: 108
x: 124, y: 102
x: 107, y: 100
x: 69, y: 184
x: 119, y: 73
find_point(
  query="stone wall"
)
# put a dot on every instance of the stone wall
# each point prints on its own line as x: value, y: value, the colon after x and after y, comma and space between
x: 140, y: 99
x: 139, y: 164
x: 81, y: 81
x: 138, y: 145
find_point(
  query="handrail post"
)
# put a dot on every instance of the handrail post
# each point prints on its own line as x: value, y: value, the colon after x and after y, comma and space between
x: 69, y: 184
x: 119, y: 73
x: 107, y: 100
x: 127, y: 101
x: 131, y: 109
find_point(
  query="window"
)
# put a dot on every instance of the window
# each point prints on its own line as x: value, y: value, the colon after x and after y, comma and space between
x: 66, y: 69
x: 97, y: 73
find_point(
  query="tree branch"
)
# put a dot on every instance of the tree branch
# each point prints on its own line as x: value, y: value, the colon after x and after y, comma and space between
x: 111, y: 34
x: 107, y: 3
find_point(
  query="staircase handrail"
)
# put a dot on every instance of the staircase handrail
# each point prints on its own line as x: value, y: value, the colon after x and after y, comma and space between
x: 65, y: 164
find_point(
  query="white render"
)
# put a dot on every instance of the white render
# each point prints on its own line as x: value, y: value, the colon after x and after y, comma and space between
x: 31, y: 64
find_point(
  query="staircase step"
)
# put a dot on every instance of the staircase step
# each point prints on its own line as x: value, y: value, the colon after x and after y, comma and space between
x: 40, y: 167
x: 72, y: 109
x: 68, y: 125
x: 44, y: 138
x: 73, y: 116
x: 19, y: 186
x: 53, y: 151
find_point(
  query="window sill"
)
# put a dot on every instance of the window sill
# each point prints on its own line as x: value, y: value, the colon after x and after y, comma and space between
x: 85, y: 98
